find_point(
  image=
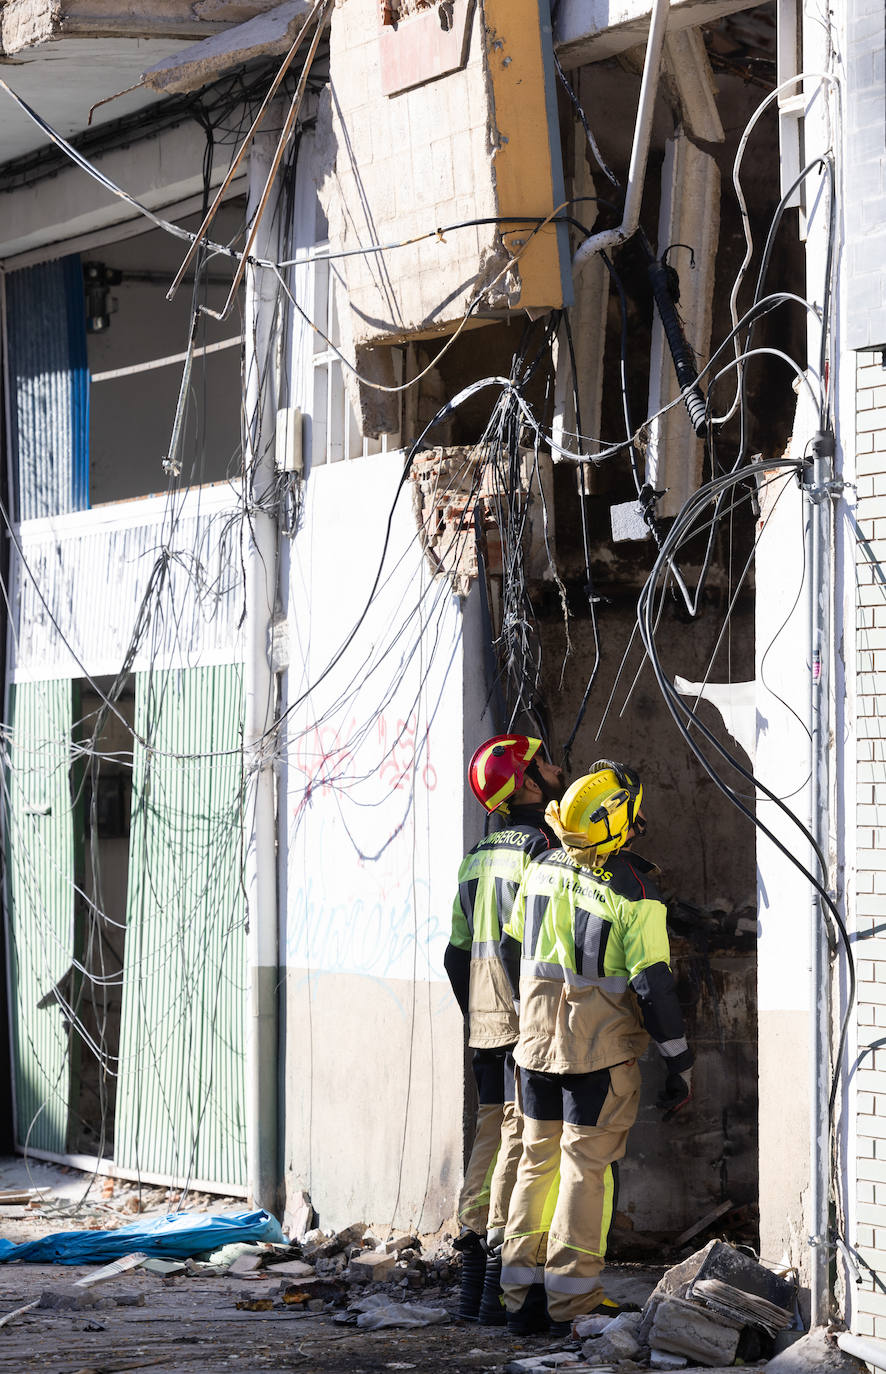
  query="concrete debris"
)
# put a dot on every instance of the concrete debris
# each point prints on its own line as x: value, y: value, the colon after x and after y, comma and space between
x: 371, y: 1267
x: 317, y: 1244
x: 536, y: 1364
x: 397, y: 1244
x: 245, y: 1265
x: 683, y: 1328
x: 71, y: 1298
x: 583, y: 1327
x: 660, y: 1359
x: 627, y: 522
x: 291, y: 1269
x: 815, y: 1351
x: 620, y: 1340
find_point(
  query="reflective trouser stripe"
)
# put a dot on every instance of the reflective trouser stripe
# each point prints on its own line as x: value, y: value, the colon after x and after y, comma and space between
x: 473, y: 1203
x: 521, y: 1275
x: 533, y: 1203
x: 505, y: 1174
x: 580, y: 1226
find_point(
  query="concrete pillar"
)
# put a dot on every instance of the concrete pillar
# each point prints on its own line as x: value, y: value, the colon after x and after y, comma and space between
x: 588, y: 320
x: 689, y: 214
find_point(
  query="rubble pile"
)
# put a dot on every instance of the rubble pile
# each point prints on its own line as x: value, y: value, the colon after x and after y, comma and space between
x: 349, y: 1275
x: 717, y: 1308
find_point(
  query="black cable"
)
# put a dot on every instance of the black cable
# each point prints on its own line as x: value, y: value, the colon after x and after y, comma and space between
x: 675, y: 705
x: 592, y: 142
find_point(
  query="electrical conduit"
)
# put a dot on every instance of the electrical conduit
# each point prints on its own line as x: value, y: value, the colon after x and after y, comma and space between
x: 259, y: 540
x: 607, y: 238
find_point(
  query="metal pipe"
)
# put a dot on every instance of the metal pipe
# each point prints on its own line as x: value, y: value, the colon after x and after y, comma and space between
x: 819, y: 494
x: 867, y: 1348
x: 259, y: 536
x: 640, y: 151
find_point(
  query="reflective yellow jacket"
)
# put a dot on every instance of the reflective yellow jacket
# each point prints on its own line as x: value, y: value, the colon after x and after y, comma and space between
x: 595, y: 980
x: 488, y: 881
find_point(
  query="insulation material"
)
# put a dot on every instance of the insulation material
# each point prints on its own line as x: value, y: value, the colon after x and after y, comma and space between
x: 180, y: 1097
x: 40, y: 916
x: 49, y: 386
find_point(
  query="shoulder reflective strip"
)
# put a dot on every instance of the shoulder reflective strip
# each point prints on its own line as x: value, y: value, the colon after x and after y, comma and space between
x: 522, y: 1274
x: 591, y: 934
x: 536, y: 906
x: 671, y: 1048
x: 485, y: 949
x: 467, y: 894
x: 536, y: 968
x: 505, y: 896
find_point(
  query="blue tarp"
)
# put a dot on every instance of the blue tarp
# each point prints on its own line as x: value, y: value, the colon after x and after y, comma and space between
x: 176, y: 1236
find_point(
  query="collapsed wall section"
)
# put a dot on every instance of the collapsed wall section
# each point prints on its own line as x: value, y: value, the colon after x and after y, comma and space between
x: 427, y: 128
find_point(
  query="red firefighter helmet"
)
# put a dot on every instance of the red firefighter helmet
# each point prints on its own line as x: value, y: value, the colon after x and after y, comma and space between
x: 497, y: 768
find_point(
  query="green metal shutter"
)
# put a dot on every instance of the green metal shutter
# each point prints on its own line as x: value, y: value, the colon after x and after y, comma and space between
x: 40, y: 907
x: 180, y: 1094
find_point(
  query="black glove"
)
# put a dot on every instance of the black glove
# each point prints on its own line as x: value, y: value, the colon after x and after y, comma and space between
x: 676, y: 1093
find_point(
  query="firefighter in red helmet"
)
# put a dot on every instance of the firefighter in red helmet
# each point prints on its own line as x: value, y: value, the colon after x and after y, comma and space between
x: 509, y: 777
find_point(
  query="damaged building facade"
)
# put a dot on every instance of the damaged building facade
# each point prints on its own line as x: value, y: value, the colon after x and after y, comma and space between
x: 486, y: 293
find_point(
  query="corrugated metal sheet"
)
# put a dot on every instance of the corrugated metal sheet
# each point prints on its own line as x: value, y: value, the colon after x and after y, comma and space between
x: 49, y: 385
x: 40, y: 907
x: 64, y: 617
x: 180, y: 1094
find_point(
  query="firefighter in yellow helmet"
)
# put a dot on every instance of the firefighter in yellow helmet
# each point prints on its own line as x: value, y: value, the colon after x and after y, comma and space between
x: 511, y: 780
x: 588, y: 940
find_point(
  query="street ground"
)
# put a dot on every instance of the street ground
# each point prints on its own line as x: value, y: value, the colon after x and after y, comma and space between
x: 199, y: 1323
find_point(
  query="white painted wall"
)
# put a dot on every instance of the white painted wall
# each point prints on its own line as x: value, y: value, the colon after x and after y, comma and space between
x: 784, y: 896
x: 375, y: 821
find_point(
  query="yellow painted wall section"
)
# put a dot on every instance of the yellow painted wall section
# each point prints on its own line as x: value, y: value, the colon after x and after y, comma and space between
x: 528, y: 167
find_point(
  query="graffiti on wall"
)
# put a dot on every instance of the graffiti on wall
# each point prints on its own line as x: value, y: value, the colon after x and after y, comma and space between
x: 360, y: 892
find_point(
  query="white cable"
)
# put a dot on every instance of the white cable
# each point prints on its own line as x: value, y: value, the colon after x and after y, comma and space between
x: 821, y: 78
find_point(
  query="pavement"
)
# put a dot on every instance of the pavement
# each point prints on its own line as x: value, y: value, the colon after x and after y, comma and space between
x: 198, y: 1321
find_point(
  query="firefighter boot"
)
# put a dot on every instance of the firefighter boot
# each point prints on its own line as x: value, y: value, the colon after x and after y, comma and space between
x: 492, y: 1308
x: 473, y: 1273
x: 532, y: 1317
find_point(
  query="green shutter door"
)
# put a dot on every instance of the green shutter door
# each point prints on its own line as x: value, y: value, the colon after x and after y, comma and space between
x: 40, y: 906
x: 181, y: 1088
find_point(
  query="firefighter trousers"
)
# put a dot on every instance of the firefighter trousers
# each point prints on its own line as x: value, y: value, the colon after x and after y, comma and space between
x: 575, y: 1129
x: 492, y: 1167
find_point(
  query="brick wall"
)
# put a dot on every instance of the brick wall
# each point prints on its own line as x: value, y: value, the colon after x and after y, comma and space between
x: 865, y: 155
x: 870, y: 816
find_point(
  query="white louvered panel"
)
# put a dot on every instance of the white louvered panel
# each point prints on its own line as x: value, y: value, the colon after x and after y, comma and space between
x: 80, y: 581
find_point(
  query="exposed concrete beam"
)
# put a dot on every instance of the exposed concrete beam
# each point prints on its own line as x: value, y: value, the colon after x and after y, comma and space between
x: 266, y: 35
x: 26, y: 24
x: 157, y: 171
x: 690, y: 70
x: 589, y: 30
